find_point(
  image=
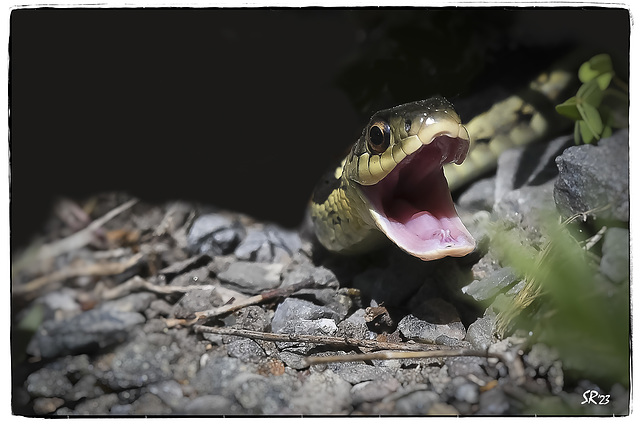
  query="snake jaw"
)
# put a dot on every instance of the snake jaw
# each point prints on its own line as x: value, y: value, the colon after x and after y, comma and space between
x: 413, y: 207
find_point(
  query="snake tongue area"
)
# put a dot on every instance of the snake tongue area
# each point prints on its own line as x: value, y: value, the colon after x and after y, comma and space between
x: 412, y: 205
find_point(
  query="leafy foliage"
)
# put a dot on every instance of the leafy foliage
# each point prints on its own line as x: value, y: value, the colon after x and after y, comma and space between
x: 572, y: 307
x: 598, y: 107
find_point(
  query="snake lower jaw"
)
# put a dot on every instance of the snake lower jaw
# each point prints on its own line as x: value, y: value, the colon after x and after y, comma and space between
x: 414, y: 209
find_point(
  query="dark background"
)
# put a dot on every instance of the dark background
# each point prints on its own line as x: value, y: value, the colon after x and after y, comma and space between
x: 244, y: 109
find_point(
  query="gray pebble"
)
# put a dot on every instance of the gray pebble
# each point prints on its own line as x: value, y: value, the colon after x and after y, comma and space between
x: 211, y: 405
x: 371, y: 391
x: 245, y: 349
x: 335, y: 392
x: 414, y: 328
x: 480, y: 333
x: 294, y: 315
x: 416, y: 403
x: 99, y: 406
x: 488, y: 287
x: 170, y: 392
x: 357, y: 372
x: 48, y: 382
x: 214, y: 234
x: 218, y: 373
x: 253, y: 277
x: 146, y: 360
x: 87, y: 331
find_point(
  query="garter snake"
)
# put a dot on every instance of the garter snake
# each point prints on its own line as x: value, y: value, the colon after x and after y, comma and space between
x: 392, y: 185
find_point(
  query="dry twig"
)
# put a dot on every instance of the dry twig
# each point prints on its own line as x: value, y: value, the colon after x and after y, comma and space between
x: 316, y: 339
x: 137, y: 283
x: 257, y: 299
x: 99, y: 269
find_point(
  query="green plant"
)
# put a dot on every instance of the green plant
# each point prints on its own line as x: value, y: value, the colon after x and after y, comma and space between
x: 601, y: 103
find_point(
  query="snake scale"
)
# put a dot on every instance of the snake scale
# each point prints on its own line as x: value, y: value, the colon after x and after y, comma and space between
x: 395, y: 182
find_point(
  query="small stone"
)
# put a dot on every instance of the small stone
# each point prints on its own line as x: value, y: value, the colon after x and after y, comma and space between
x: 211, y: 405
x: 371, y: 391
x: 480, y: 333
x: 464, y: 390
x: 46, y: 405
x: 412, y: 327
x: 254, y: 277
x: 196, y: 300
x: 489, y: 287
x: 263, y: 395
x: 245, y: 349
x: 528, y: 207
x: 214, y: 234
x: 48, y: 382
x: 335, y: 392
x: 269, y: 244
x: 99, y: 406
x: 217, y: 375
x: 134, y: 303
x: 143, y: 361
x: 170, y: 392
x: 493, y: 402
x: 416, y: 403
x: 149, y: 404
x: 595, y: 176
x: 87, y: 331
x: 307, y: 272
x: 615, y: 255
x: 355, y: 326
x: 357, y: 372
x: 294, y: 315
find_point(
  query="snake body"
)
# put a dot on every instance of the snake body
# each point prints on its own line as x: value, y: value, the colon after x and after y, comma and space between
x: 392, y: 185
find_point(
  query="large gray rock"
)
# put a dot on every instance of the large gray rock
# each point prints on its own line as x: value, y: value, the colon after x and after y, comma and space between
x: 595, y: 176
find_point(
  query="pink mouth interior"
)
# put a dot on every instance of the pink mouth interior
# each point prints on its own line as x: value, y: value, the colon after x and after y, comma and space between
x: 415, y: 204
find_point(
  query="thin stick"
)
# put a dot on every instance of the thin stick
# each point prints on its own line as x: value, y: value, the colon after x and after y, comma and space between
x: 101, y: 269
x: 315, y: 339
x: 257, y: 299
x: 82, y: 237
x: 387, y: 355
x: 137, y: 283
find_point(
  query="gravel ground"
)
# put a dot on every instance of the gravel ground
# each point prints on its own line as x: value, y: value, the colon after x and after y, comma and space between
x: 136, y: 321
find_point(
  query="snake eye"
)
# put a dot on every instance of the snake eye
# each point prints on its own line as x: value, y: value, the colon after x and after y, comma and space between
x: 407, y: 126
x: 379, y: 137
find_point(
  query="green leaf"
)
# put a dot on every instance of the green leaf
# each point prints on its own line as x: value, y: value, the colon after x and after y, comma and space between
x: 585, y: 133
x: 596, y: 66
x: 589, y: 93
x: 591, y: 118
x: 576, y: 132
x: 606, y: 132
x: 568, y: 109
x: 604, y: 80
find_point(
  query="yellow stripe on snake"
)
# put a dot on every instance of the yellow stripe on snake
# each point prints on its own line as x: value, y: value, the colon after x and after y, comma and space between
x: 392, y: 183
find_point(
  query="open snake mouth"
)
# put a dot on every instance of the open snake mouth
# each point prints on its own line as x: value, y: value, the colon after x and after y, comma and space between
x: 412, y: 205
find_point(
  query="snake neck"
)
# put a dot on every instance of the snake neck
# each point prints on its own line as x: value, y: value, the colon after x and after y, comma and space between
x: 342, y: 222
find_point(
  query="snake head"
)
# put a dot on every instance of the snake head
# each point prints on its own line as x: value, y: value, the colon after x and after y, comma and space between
x: 396, y: 166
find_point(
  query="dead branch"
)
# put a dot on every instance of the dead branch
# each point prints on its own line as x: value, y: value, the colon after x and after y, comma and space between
x: 84, y: 236
x: 315, y: 339
x: 74, y: 241
x: 99, y: 269
x: 137, y: 284
x: 257, y: 299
